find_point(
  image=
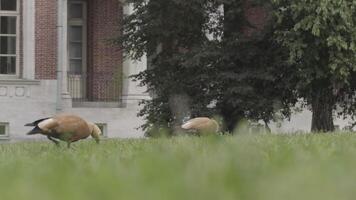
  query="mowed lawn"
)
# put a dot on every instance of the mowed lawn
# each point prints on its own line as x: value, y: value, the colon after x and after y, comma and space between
x: 256, y: 167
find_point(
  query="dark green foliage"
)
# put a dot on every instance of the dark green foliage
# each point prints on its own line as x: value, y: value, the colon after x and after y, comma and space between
x: 245, y: 76
x: 255, y: 79
x: 171, y: 33
x: 303, y: 49
x: 258, y: 84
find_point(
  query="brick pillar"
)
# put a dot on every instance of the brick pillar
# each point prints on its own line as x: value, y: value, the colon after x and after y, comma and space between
x: 104, y: 59
x: 45, y: 39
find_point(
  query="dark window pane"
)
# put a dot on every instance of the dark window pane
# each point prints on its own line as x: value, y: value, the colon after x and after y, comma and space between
x: 8, y: 5
x: 75, y: 50
x: 2, y: 130
x: 8, y: 65
x: 7, y: 45
x: 75, y: 33
x: 8, y: 25
x: 75, y: 10
x: 75, y: 66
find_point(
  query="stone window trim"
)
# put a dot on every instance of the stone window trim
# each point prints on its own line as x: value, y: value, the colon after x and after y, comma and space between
x: 4, y: 130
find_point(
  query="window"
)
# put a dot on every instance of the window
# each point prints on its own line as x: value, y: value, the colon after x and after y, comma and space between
x: 9, y: 37
x: 77, y: 49
x: 10, y: 5
x: 77, y: 37
x: 4, y: 130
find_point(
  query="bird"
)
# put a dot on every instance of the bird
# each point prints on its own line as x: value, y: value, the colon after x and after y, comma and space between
x: 202, y: 125
x: 66, y: 127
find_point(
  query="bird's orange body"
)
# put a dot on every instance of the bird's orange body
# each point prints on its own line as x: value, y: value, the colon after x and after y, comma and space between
x: 66, y: 127
x: 202, y: 125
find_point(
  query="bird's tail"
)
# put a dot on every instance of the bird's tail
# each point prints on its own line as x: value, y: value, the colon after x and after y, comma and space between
x: 30, y: 124
x: 35, y: 130
x: 35, y: 123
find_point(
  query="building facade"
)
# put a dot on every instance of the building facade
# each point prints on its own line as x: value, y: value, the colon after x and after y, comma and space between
x: 57, y: 56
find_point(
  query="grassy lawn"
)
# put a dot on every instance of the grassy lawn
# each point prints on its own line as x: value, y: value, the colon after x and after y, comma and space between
x: 255, y: 167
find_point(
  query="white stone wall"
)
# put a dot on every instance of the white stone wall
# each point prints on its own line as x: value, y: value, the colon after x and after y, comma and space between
x: 26, y: 101
x: 120, y: 122
x: 23, y: 101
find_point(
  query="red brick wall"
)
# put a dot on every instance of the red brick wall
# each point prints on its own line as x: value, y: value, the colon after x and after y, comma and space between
x: 257, y: 16
x: 46, y: 39
x: 104, y: 60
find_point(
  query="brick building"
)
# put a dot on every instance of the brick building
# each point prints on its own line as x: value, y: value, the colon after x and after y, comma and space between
x: 56, y: 56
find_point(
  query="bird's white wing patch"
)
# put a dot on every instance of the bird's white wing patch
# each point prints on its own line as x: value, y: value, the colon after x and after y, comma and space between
x: 187, y: 125
x: 45, y: 123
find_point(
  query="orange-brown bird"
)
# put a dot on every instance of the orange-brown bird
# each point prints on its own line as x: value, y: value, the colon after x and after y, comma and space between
x: 66, y: 127
x: 202, y: 125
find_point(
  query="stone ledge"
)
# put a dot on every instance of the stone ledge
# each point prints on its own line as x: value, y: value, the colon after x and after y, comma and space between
x: 89, y: 104
x: 4, y: 138
x: 128, y: 97
x: 19, y: 82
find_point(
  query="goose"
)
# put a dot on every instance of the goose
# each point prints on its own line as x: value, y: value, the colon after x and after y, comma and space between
x: 66, y: 127
x: 202, y: 125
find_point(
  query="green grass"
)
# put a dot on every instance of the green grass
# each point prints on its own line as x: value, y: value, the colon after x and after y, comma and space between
x: 256, y: 167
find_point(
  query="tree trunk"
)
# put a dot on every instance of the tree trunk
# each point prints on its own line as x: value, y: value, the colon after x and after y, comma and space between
x: 322, y: 109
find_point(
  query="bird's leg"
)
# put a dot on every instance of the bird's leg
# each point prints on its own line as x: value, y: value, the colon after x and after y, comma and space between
x: 53, y: 140
x: 68, y: 145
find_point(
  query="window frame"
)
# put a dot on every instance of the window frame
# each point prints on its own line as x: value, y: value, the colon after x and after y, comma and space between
x: 79, y: 90
x: 16, y: 13
x: 82, y: 22
x: 7, y: 130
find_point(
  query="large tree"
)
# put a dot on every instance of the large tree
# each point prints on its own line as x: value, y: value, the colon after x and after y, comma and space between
x: 241, y: 67
x: 321, y: 38
x: 251, y: 71
x: 255, y: 80
x: 172, y: 34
